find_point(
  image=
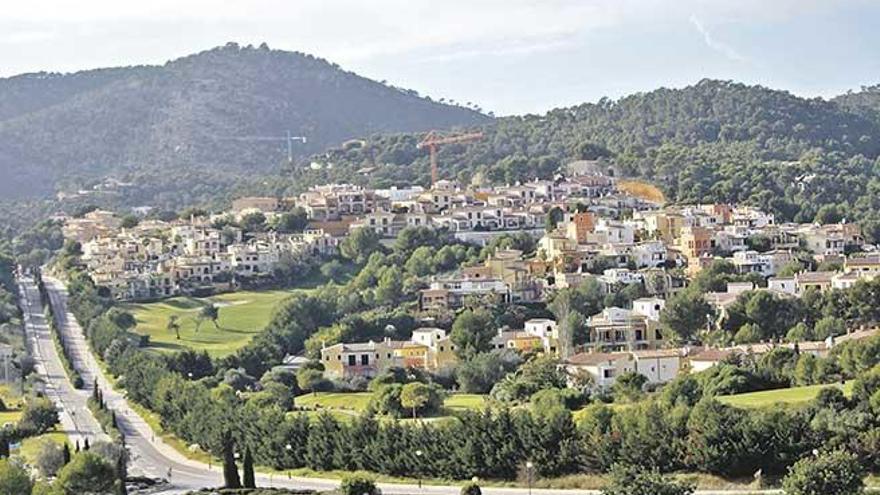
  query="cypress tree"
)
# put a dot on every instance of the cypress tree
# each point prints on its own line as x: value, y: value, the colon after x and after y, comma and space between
x: 86, y: 444
x: 4, y: 446
x: 96, y: 394
x: 113, y: 420
x: 77, y: 447
x: 248, y: 468
x: 65, y: 453
x: 121, y: 472
x: 230, y: 470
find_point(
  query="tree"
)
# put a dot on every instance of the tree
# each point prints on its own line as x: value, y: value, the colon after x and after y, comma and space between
x: 748, y: 334
x: 390, y: 286
x: 359, y: 244
x: 333, y: 270
x: 50, y: 458
x: 87, y: 472
x: 14, y: 478
x: 173, y: 326
x: 129, y: 222
x: 309, y: 380
x: 293, y: 221
x: 554, y: 216
x: 230, y: 469
x: 39, y: 415
x: 472, y: 332
x: 684, y: 315
x: 628, y: 386
x: 249, y: 481
x: 482, y: 371
x: 208, y: 312
x: 415, y: 396
x: 835, y: 472
x: 635, y: 480
x: 253, y: 222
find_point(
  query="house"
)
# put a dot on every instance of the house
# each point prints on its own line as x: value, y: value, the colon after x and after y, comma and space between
x: 659, y: 365
x: 708, y: 358
x: 515, y: 339
x: 604, y: 367
x: 651, y: 307
x: 546, y: 330
x: 359, y: 359
x: 619, y: 329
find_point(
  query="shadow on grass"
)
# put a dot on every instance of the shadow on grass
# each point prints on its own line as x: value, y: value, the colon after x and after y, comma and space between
x: 183, y: 303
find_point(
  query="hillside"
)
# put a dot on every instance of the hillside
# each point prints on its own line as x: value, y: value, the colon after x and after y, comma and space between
x: 712, y: 141
x: 197, y: 113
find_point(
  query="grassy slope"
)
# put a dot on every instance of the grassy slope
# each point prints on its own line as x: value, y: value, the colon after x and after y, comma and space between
x: 794, y: 395
x: 346, y: 405
x: 242, y: 315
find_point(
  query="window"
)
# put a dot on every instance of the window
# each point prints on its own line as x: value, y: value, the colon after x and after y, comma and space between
x: 607, y: 373
x: 352, y: 360
x: 365, y: 360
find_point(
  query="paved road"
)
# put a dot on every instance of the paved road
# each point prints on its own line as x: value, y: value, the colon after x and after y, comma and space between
x: 154, y: 458
x: 76, y: 419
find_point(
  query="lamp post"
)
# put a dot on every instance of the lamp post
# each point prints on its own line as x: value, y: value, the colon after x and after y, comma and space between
x: 529, y: 467
x: 288, y: 448
x: 419, y: 466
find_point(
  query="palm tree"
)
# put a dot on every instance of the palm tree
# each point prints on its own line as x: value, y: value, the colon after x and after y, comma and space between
x: 209, y: 312
x: 173, y: 325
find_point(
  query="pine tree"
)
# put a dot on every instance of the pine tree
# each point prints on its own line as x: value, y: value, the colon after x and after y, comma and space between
x: 230, y: 470
x: 248, y: 468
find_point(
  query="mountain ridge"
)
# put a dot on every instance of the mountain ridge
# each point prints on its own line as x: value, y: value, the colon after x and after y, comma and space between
x: 195, y: 111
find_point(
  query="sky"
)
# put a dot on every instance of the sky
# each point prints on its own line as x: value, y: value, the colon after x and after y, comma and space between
x: 508, y: 56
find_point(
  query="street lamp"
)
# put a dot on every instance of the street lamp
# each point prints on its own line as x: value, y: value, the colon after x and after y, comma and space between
x: 529, y: 467
x: 288, y: 448
x: 419, y: 466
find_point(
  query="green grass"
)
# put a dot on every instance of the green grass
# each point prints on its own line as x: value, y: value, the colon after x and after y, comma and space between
x: 351, y: 401
x: 462, y: 402
x: 30, y: 447
x: 11, y: 416
x: 349, y: 404
x: 241, y: 316
x: 787, y: 396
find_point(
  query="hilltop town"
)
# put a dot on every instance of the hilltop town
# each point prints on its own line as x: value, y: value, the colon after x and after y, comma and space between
x: 582, y: 229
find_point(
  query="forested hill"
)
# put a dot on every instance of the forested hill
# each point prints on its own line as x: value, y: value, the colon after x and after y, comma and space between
x: 713, y: 141
x: 866, y: 101
x: 196, y: 114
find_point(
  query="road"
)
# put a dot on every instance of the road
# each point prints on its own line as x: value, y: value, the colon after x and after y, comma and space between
x: 152, y: 457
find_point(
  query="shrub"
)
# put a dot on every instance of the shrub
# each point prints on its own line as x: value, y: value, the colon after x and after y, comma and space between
x: 471, y: 489
x: 357, y: 484
x: 633, y: 480
x: 831, y: 472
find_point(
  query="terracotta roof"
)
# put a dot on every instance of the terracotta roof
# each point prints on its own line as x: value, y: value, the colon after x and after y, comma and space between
x: 657, y: 353
x: 857, y: 335
x: 815, y: 277
x: 712, y: 355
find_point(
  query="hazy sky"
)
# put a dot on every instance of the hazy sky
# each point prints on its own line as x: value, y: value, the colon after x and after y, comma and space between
x: 510, y: 56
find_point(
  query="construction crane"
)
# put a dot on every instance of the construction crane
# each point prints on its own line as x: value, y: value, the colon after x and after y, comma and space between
x: 289, y: 138
x: 436, y: 138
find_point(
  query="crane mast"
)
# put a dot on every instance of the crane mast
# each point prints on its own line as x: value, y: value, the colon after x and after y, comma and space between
x: 434, y: 139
